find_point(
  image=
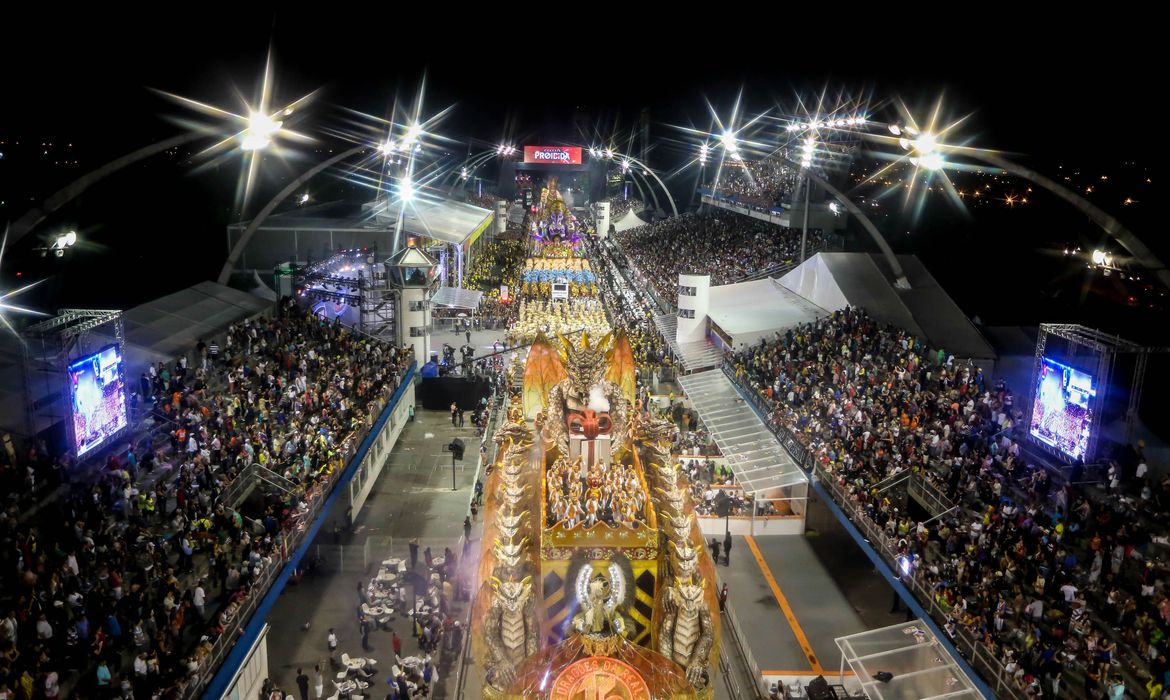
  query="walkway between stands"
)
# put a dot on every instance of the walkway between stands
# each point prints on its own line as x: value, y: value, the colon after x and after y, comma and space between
x: 412, y: 499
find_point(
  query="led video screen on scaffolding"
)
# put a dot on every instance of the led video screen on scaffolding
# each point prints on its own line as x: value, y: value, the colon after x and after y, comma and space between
x: 1062, y: 410
x: 97, y: 393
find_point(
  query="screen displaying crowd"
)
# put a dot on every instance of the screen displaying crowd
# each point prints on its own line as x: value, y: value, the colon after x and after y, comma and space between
x: 97, y: 388
x: 127, y: 584
x: 1058, y: 581
x: 725, y: 245
x: 1062, y: 416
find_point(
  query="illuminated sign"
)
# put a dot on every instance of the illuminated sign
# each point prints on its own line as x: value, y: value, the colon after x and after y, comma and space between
x: 599, y: 678
x: 554, y: 155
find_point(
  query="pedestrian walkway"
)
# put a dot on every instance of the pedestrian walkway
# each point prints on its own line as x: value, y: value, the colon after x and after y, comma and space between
x: 412, y: 498
x: 755, y: 455
x: 695, y: 355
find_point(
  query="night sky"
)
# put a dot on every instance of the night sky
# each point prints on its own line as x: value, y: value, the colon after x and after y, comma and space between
x: 1054, y: 95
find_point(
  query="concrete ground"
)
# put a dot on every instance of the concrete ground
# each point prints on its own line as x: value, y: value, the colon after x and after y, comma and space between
x: 794, y: 595
x: 791, y: 601
x: 412, y: 498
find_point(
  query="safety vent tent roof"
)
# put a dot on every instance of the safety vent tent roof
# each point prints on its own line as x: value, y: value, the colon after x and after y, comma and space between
x: 748, y: 311
x: 921, y: 667
x: 454, y: 297
x: 834, y: 280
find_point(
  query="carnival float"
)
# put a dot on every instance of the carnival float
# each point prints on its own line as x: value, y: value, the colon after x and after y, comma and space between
x: 594, y: 581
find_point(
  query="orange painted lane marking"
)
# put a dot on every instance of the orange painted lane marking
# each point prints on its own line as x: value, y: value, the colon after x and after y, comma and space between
x: 797, y: 631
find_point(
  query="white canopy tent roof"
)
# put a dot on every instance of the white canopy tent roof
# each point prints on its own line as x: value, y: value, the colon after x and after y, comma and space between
x: 748, y: 311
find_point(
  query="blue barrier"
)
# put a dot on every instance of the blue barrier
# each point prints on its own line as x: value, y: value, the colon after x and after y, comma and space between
x: 879, y: 563
x: 236, y: 657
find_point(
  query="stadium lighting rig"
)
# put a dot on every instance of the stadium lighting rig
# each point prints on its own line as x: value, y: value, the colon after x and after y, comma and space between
x: 852, y: 122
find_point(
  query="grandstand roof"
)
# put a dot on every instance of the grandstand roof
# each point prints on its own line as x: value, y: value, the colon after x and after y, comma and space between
x: 748, y: 311
x: 164, y: 328
x: 444, y: 220
x: 834, y: 280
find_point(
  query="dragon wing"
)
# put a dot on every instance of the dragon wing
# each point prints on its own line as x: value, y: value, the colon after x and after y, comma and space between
x: 622, y: 368
x: 542, y: 372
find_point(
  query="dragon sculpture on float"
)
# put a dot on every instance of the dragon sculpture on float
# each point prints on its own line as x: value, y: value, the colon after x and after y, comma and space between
x: 593, y: 569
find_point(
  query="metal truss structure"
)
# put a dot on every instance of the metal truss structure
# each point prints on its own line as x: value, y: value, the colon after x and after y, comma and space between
x: 48, y: 348
x: 1104, y: 349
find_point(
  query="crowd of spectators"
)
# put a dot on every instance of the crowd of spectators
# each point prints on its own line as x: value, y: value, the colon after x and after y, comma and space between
x: 627, y: 309
x: 123, y: 589
x: 727, y: 246
x: 619, y: 207
x: 763, y: 183
x: 1055, y: 579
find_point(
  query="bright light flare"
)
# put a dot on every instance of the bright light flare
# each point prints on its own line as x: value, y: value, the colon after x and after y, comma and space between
x: 925, y: 144
x: 260, y: 132
x: 5, y: 306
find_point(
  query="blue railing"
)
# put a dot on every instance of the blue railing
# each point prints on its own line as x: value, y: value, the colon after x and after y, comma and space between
x: 237, y: 652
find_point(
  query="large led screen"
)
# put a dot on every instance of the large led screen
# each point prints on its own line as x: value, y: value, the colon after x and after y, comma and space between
x: 1062, y: 411
x: 98, y: 395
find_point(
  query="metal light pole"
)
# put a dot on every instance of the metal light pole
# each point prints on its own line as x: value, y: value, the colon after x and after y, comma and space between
x: 804, y: 230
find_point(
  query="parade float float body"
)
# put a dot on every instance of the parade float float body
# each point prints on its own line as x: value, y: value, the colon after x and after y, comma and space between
x: 594, y: 581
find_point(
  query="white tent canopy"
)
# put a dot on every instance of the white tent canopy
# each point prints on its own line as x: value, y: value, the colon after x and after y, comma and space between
x: 748, y: 311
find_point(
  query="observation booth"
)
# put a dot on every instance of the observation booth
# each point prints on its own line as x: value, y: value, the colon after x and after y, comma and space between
x: 901, y: 662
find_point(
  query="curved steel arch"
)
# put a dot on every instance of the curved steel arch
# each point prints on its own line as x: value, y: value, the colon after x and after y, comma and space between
x: 33, y: 217
x: 238, y: 249
x: 647, y: 168
x: 1112, y: 227
x: 900, y: 280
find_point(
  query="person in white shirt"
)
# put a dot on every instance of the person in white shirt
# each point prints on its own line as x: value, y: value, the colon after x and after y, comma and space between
x: 44, y: 629
x: 198, y: 598
x: 140, y: 667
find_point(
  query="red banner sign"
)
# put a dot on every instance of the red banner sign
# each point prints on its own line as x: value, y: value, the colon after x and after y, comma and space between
x: 555, y: 155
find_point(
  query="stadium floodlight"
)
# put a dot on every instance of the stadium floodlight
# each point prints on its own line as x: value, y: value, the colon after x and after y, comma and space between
x: 67, y: 240
x: 258, y: 135
x: 389, y: 147
x: 305, y: 198
x: 925, y: 144
x: 463, y: 173
x: 413, y: 133
x: 609, y: 153
x: 406, y: 190
x: 835, y: 208
x: 729, y: 141
x: 931, y: 161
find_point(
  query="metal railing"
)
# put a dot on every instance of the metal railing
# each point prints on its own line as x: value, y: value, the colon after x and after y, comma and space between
x: 982, y: 660
x: 288, y: 541
x: 745, y: 651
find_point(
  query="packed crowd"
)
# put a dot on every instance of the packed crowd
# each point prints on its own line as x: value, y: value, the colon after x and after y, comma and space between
x: 1054, y: 579
x: 126, y: 588
x: 619, y: 207
x: 627, y: 309
x: 763, y: 183
x: 727, y: 246
x: 557, y: 317
x: 498, y: 263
